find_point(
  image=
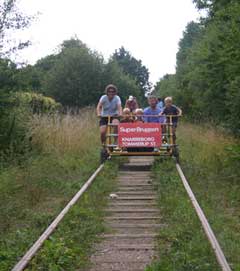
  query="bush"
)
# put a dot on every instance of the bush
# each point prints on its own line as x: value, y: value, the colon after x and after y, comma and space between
x: 17, y: 110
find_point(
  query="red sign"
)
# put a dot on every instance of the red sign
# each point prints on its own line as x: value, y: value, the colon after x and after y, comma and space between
x: 139, y: 135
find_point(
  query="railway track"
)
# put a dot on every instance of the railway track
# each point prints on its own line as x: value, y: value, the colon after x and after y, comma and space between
x: 133, y: 220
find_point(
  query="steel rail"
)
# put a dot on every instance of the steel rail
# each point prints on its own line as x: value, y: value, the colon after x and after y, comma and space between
x: 207, y: 228
x: 37, y: 245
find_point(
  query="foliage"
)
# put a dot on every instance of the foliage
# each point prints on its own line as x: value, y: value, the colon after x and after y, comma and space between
x: 166, y: 86
x: 125, y: 83
x: 11, y: 19
x: 76, y: 76
x: 17, y: 111
x: 212, y: 6
x: 207, y: 72
x: 71, y: 245
x: 182, y: 244
x: 32, y: 194
x: 210, y: 161
x: 133, y: 67
x: 37, y: 102
x: 8, y: 71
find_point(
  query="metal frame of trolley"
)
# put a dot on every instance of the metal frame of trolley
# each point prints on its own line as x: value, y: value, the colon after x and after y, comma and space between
x: 167, y: 148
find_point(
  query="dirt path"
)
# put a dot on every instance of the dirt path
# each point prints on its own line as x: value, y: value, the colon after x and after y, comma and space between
x: 133, y: 219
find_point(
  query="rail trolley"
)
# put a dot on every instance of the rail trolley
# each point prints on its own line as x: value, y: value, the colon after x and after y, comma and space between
x: 140, y: 139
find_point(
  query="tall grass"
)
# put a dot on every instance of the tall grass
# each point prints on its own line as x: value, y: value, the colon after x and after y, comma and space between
x: 65, y: 133
x: 210, y: 159
x: 65, y: 151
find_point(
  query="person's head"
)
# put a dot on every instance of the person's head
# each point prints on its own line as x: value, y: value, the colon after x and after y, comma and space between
x: 160, y: 99
x: 130, y: 98
x: 139, y: 112
x: 168, y: 101
x: 126, y: 112
x: 111, y: 90
x: 152, y: 101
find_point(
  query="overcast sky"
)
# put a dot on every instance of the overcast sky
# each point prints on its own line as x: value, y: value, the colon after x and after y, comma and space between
x: 149, y: 29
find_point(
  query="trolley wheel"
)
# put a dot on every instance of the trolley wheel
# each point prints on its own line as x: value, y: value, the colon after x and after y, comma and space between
x: 103, y: 155
x: 176, y: 154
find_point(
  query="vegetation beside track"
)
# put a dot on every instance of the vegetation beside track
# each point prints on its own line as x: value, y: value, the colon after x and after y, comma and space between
x: 182, y: 244
x: 34, y: 190
x: 210, y: 161
x: 71, y: 244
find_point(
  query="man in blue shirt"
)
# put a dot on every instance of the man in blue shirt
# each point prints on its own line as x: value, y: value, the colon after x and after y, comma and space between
x: 153, y: 111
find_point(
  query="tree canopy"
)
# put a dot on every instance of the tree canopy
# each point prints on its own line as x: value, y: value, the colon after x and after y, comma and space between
x: 133, y: 67
x: 11, y: 19
x: 208, y: 61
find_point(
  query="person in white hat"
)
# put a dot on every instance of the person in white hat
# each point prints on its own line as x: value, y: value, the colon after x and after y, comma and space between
x: 131, y: 103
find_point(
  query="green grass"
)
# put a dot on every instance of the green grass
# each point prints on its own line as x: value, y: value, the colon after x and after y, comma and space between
x: 210, y: 161
x: 72, y: 243
x: 65, y: 153
x: 64, y: 156
x: 182, y: 244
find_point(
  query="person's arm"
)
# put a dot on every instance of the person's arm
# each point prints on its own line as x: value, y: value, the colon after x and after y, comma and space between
x: 163, y: 112
x: 126, y: 104
x: 119, y: 109
x: 99, y: 108
x: 119, y: 106
x: 145, y: 119
x: 137, y: 106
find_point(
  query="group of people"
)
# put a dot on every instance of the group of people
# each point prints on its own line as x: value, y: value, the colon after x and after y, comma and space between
x: 110, y: 105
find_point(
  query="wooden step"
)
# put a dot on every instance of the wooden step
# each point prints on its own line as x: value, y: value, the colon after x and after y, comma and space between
x: 133, y: 218
x: 135, y: 226
x: 147, y: 210
x: 135, y: 204
x: 132, y: 236
x: 136, y: 198
x: 133, y: 193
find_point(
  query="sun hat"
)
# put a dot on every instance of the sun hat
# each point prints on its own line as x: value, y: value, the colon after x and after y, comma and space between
x: 130, y: 98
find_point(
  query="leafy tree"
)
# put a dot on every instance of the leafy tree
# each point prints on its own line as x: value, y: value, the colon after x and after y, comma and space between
x: 191, y: 35
x: 75, y: 78
x: 208, y: 60
x: 8, y: 73
x: 11, y: 18
x: 18, y: 111
x: 132, y: 67
x: 166, y: 86
x: 125, y: 83
x: 11, y: 119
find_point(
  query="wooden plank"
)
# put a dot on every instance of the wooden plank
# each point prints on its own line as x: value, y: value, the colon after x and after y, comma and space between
x: 136, y: 198
x: 133, y: 218
x: 129, y: 235
x: 146, y: 210
x: 135, y: 226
